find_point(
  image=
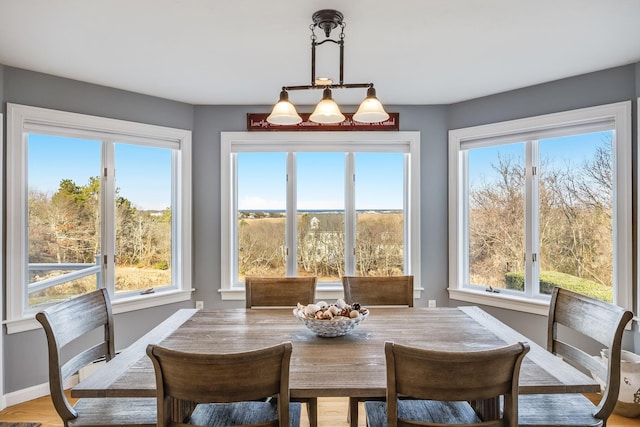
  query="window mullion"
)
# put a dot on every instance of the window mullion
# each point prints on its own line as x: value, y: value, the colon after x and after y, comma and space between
x: 232, y: 221
x: 464, y: 239
x: 531, y: 231
x: 291, y: 235
x: 108, y: 221
x: 350, y: 215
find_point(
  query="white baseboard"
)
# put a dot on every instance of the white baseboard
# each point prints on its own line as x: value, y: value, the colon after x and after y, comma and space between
x: 31, y: 393
x: 26, y: 394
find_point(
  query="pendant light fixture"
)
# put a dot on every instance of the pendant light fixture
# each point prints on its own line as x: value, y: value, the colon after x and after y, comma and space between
x: 327, y: 111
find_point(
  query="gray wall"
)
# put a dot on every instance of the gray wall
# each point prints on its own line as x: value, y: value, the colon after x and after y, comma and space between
x: 604, y: 87
x: 1, y: 84
x: 25, y: 353
x: 637, y: 67
x: 42, y: 90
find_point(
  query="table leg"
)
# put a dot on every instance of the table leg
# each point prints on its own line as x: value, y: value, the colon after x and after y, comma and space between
x: 352, y: 415
x: 488, y: 409
x: 181, y: 409
x: 312, y: 410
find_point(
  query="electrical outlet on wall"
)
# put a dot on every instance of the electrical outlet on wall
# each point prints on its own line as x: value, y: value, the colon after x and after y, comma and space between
x: 199, y: 305
x: 431, y: 303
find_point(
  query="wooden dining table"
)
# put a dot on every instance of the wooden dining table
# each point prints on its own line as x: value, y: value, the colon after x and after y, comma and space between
x: 352, y: 365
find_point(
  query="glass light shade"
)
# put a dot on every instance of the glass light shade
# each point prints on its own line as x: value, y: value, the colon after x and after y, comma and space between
x: 327, y: 111
x: 371, y: 109
x: 284, y: 113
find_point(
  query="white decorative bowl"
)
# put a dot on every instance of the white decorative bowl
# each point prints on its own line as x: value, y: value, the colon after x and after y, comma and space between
x: 336, y: 327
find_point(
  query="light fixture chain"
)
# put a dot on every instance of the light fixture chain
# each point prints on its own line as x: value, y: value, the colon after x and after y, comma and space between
x: 313, y: 33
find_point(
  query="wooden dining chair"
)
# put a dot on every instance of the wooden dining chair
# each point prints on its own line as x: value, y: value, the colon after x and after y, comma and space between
x: 371, y: 291
x: 434, y: 387
x: 72, y: 344
x: 604, y: 323
x: 284, y: 292
x: 378, y: 290
x: 279, y: 291
x: 227, y: 389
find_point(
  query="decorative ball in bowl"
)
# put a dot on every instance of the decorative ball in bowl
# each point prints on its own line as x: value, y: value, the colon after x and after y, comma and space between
x: 331, y: 320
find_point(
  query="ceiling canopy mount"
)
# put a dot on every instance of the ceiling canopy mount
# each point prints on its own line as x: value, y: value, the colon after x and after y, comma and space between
x: 327, y: 20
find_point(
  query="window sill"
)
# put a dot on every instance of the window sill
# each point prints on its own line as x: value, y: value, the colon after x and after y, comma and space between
x: 138, y: 302
x: 510, y: 302
x: 327, y: 293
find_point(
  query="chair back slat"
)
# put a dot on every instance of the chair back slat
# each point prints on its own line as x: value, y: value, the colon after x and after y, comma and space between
x: 279, y: 291
x: 72, y: 321
x: 214, y: 378
x: 587, y: 315
x: 378, y: 290
x: 454, y: 376
x: 73, y: 365
x: 76, y: 317
x: 580, y: 359
x: 427, y: 374
x: 603, y: 322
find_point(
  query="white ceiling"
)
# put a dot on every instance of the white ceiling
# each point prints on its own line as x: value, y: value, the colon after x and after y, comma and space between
x: 242, y: 51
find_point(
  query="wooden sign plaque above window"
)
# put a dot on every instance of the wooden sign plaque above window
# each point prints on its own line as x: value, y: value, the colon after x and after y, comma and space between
x: 258, y: 122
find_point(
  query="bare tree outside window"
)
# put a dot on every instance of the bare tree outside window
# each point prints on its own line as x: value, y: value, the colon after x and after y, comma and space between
x: 575, y: 224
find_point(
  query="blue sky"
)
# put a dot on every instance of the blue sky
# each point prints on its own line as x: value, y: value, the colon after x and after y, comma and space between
x: 262, y: 185
x: 560, y: 152
x: 143, y: 178
x: 142, y: 173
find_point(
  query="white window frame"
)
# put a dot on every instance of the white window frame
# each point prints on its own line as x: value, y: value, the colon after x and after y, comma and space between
x: 24, y: 119
x: 233, y: 142
x: 3, y: 400
x: 637, y: 213
x: 587, y: 119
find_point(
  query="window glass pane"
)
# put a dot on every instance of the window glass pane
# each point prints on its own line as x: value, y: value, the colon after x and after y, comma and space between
x: 64, y: 217
x: 576, y: 214
x: 261, y: 198
x: 496, y: 216
x: 321, y: 215
x: 379, y: 194
x: 143, y: 217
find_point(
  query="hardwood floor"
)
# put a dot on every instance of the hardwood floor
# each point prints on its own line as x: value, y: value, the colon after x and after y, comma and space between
x: 332, y: 412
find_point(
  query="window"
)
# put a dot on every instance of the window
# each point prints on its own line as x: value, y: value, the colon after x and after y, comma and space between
x: 323, y: 204
x: 77, y: 225
x: 542, y: 202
